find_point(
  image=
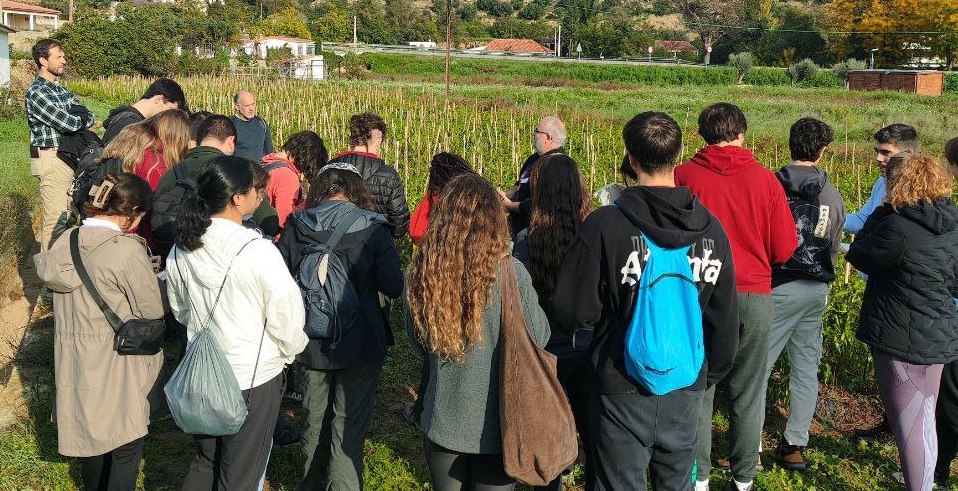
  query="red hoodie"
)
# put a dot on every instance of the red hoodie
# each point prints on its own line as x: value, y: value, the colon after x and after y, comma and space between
x: 284, y: 190
x: 750, y: 203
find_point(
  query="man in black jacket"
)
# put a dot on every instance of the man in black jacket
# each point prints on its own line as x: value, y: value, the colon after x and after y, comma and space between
x: 161, y: 95
x: 548, y: 137
x: 366, y: 134
x: 634, y: 431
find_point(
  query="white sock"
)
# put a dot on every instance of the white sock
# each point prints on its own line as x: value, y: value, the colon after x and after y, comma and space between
x: 743, y: 487
x: 702, y: 485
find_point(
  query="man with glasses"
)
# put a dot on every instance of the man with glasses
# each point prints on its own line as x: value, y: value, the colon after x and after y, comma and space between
x: 548, y: 137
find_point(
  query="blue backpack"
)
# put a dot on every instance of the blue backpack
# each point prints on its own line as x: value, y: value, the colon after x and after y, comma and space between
x: 664, y: 346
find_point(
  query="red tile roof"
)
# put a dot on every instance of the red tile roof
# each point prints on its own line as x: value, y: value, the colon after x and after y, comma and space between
x: 11, y: 6
x: 516, y: 46
x: 676, y: 46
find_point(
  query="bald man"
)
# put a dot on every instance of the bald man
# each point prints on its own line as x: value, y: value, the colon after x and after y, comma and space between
x: 548, y: 137
x: 253, y: 138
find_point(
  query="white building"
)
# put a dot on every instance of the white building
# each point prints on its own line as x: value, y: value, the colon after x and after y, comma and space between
x: 27, y: 17
x: 307, y: 67
x: 422, y: 44
x: 5, y: 54
x: 259, y: 47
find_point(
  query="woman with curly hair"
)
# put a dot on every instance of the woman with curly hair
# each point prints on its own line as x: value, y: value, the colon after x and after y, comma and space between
x: 453, y: 309
x: 909, y: 249
x: 443, y: 167
x: 297, y: 162
x: 560, y: 202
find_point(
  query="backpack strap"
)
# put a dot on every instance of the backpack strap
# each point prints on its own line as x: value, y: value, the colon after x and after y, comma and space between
x: 111, y: 316
x: 343, y: 226
x: 274, y: 165
x: 179, y: 171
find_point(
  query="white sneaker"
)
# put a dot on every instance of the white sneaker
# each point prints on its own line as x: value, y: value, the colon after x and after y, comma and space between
x: 702, y: 485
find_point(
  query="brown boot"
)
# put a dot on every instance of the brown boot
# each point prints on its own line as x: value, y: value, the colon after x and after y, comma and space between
x: 790, y: 457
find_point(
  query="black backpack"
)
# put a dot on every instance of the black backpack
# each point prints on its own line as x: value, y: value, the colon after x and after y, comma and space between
x: 165, y: 207
x: 88, y: 174
x: 813, y: 257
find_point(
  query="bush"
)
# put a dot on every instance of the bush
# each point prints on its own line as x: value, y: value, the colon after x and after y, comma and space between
x: 742, y: 63
x: 802, y: 71
x: 951, y: 82
x: 840, y: 70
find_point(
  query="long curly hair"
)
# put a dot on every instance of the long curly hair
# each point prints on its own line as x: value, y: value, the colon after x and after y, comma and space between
x: 451, y: 277
x: 560, y: 202
x: 915, y: 177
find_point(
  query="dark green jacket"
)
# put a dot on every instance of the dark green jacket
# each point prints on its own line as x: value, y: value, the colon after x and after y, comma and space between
x: 195, y: 162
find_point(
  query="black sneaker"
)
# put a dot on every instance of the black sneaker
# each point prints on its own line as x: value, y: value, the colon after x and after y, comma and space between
x: 287, y: 436
x: 880, y: 431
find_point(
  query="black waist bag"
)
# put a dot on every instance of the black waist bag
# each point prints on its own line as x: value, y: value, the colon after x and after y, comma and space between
x: 133, y: 337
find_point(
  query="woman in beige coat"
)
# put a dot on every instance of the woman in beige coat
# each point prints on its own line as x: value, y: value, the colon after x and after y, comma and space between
x: 102, y: 410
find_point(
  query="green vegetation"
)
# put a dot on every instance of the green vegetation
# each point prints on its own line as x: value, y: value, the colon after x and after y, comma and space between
x: 491, y: 126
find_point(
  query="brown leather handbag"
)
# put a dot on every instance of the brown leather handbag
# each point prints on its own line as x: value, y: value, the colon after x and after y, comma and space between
x: 538, y: 430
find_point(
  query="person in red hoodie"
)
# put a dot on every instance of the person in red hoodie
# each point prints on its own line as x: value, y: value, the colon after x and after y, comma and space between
x: 296, y: 162
x: 750, y: 203
x: 443, y: 167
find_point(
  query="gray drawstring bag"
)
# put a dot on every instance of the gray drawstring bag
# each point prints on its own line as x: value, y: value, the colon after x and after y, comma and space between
x: 203, y: 394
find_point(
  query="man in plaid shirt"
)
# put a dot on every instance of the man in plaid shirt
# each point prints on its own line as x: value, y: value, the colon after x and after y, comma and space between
x: 52, y: 110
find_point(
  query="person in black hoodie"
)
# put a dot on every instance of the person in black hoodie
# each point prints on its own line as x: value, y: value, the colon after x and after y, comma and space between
x: 909, y: 249
x: 800, y: 285
x: 341, y: 377
x: 946, y: 412
x: 632, y: 430
x: 161, y: 95
x: 547, y: 138
x: 366, y: 134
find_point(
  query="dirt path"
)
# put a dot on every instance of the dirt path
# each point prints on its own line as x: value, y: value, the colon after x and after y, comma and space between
x: 15, y: 318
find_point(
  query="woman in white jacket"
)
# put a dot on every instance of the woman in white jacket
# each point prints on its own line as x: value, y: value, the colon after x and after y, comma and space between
x: 257, y: 320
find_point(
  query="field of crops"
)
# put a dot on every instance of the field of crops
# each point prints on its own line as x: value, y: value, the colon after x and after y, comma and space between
x: 491, y: 126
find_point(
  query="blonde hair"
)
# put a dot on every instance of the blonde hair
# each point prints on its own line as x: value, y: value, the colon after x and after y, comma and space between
x: 914, y: 177
x: 129, y: 145
x: 172, y: 131
x: 450, y: 279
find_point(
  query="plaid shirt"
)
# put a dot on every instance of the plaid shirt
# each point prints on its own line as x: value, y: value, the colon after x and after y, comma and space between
x: 48, y: 105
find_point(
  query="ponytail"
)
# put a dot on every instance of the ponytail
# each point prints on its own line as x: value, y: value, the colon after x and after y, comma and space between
x: 224, y: 178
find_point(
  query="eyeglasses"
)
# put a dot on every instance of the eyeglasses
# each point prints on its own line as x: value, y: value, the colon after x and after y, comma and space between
x: 537, y: 131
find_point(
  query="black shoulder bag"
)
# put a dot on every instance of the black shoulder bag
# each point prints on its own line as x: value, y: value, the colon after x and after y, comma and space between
x: 133, y: 337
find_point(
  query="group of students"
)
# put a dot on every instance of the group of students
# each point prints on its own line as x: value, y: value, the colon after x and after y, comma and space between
x: 761, y: 249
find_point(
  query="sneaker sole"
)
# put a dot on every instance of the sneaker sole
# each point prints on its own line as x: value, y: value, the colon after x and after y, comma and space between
x: 792, y: 466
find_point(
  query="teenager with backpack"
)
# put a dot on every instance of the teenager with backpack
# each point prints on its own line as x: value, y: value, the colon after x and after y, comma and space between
x: 750, y: 203
x: 162, y: 94
x: 909, y: 249
x: 656, y: 245
x: 103, y: 398
x: 453, y: 314
x: 443, y: 167
x: 560, y: 202
x: 228, y: 276
x: 800, y: 285
x: 297, y: 162
x: 339, y: 235
x: 366, y: 134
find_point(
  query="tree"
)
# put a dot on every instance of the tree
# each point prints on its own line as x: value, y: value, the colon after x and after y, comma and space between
x: 841, y: 70
x: 411, y: 23
x: 513, y: 28
x: 742, y: 63
x: 334, y: 25
x: 787, y: 40
x: 574, y: 15
x: 708, y: 18
x: 802, y: 71
x: 287, y: 22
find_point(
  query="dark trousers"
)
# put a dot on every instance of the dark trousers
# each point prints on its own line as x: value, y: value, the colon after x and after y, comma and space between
x: 575, y: 374
x: 637, y: 433
x: 115, y: 470
x: 946, y: 420
x: 238, y: 461
x: 457, y: 471
x: 338, y: 404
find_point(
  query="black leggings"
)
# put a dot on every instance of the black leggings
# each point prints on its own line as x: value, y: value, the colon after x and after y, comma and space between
x: 115, y: 470
x: 457, y: 471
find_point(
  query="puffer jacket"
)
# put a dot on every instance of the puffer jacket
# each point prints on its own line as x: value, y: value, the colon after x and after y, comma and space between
x: 911, y: 259
x: 385, y: 187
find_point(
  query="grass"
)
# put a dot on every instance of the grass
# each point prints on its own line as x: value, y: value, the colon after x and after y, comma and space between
x: 491, y: 125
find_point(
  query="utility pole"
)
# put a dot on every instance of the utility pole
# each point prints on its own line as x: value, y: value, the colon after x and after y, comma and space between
x: 355, y: 39
x: 70, y: 11
x: 559, y: 43
x: 448, y: 45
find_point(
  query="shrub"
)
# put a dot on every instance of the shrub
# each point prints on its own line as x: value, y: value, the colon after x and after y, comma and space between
x: 802, y: 71
x: 951, y: 82
x: 840, y: 70
x: 742, y: 63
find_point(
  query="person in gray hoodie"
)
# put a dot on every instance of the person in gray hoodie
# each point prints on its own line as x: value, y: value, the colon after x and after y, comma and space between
x: 800, y: 285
